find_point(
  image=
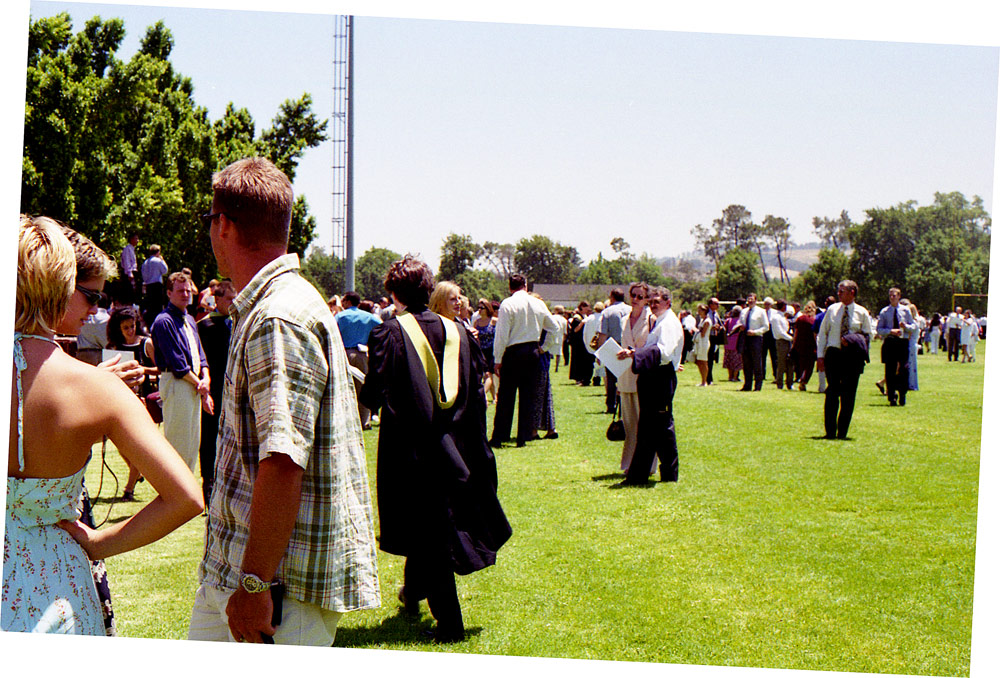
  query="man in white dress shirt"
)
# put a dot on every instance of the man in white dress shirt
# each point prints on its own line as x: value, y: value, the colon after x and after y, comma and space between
x: 841, y: 352
x: 783, y: 344
x: 754, y: 325
x: 520, y: 322
x: 655, y: 365
x: 130, y: 271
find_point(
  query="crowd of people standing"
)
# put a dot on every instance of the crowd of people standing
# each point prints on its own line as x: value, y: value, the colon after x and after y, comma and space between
x: 268, y: 388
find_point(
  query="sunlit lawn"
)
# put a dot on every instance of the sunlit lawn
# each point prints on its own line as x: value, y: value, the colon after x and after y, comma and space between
x: 775, y: 549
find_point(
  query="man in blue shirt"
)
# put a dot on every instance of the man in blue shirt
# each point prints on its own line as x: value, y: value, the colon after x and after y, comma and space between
x: 184, y: 378
x: 895, y: 325
x: 355, y: 326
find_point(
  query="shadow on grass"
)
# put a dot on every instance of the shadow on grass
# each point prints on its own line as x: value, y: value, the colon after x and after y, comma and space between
x: 399, y: 629
x: 639, y: 486
x: 608, y: 476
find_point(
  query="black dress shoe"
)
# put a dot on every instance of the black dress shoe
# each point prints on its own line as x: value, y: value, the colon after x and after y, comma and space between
x: 443, y: 636
x: 880, y: 387
x: 520, y: 443
x: 495, y: 443
x: 745, y: 388
x: 551, y: 435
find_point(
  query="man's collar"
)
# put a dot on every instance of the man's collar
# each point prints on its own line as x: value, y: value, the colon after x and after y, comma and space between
x: 248, y: 296
x: 173, y: 310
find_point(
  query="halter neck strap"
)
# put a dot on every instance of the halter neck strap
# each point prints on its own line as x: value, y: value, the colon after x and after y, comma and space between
x: 21, y: 363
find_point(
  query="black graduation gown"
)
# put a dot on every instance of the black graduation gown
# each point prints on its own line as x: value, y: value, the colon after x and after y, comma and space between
x: 436, y: 475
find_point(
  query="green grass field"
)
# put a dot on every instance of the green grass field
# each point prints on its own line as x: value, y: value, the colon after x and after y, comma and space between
x: 776, y: 548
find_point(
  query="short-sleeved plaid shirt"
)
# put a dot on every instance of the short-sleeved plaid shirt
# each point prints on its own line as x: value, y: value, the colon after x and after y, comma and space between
x: 288, y: 391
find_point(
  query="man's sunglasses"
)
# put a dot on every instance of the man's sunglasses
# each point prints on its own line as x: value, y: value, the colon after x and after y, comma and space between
x: 208, y: 218
x: 93, y: 297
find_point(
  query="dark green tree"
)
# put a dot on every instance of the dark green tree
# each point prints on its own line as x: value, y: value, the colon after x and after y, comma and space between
x: 542, y: 260
x: 645, y: 269
x: 324, y: 271
x: 739, y: 274
x: 820, y: 280
x: 370, y: 270
x: 601, y: 271
x: 112, y: 147
x: 478, y: 284
x: 458, y: 253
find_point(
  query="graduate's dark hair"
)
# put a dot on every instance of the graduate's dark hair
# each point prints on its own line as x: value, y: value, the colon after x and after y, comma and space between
x: 410, y: 280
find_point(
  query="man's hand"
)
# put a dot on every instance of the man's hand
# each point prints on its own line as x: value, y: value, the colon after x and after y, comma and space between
x: 208, y: 404
x: 130, y: 371
x: 203, y: 387
x: 249, y: 616
x: 625, y: 353
x: 896, y: 332
x: 820, y: 365
x: 496, y: 369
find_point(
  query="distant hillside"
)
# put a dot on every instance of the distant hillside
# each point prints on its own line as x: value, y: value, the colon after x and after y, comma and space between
x: 798, y: 259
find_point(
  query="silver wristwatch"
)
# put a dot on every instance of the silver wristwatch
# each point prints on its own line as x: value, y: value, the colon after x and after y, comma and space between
x: 251, y: 583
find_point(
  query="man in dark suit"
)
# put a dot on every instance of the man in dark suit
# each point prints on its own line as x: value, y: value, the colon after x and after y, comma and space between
x: 895, y: 325
x: 214, y: 331
x: 841, y: 352
x: 754, y: 325
x: 436, y: 474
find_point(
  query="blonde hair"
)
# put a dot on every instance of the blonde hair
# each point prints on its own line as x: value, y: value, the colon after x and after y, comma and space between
x: 439, y: 298
x: 46, y: 275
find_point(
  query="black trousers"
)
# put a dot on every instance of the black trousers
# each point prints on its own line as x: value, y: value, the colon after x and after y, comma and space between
x: 753, y: 362
x: 518, y: 377
x: 770, y: 348
x: 610, y: 390
x: 152, y: 303
x: 841, y: 390
x: 954, y: 340
x: 655, y: 434
x: 206, y: 449
x: 432, y: 577
x: 713, y: 357
x: 896, y: 356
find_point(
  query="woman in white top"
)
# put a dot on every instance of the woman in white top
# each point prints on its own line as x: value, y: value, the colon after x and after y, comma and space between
x: 967, y: 325
x: 635, y: 330
x: 702, y: 343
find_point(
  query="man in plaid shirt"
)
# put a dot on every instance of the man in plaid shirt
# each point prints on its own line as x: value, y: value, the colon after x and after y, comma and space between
x: 291, y: 501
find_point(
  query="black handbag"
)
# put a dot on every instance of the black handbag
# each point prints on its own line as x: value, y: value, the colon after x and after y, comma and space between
x: 616, y: 429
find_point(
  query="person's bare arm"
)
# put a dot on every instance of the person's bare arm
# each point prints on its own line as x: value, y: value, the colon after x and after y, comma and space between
x: 143, y: 446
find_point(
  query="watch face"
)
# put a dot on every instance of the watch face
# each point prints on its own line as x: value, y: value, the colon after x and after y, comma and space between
x: 253, y: 584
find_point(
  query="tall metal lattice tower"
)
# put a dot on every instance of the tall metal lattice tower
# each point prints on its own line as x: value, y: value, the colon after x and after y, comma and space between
x: 343, y: 232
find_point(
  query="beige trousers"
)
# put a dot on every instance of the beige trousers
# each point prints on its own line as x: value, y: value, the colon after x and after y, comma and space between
x: 181, y: 417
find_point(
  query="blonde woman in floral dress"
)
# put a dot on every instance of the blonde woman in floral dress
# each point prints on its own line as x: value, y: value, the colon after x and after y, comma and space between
x: 61, y: 407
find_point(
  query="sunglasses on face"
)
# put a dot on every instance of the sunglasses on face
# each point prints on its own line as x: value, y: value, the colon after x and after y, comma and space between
x: 93, y: 297
x: 637, y: 296
x: 209, y: 217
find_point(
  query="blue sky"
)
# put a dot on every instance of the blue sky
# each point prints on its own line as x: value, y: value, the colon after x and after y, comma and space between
x: 582, y: 133
x: 502, y: 131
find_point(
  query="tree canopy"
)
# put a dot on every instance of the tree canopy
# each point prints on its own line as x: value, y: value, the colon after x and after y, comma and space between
x: 113, y: 146
x: 928, y: 252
